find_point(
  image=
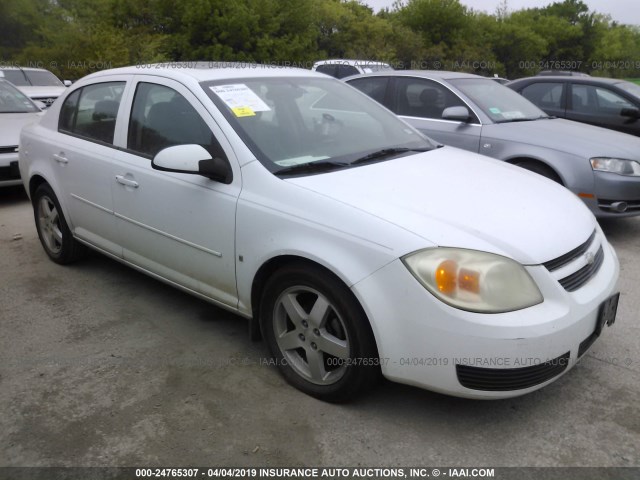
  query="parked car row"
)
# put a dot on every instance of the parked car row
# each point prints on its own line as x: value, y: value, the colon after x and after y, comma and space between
x: 353, y: 243
x: 474, y: 113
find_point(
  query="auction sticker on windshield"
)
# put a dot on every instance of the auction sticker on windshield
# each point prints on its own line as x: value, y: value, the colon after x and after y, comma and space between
x: 242, y: 101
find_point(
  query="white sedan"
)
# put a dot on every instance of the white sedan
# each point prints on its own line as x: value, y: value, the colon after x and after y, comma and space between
x: 352, y: 243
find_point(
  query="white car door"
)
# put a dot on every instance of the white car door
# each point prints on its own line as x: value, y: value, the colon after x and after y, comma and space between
x: 83, y: 160
x: 178, y: 226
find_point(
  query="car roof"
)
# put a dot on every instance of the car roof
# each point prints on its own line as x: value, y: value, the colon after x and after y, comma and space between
x: 205, y: 71
x: 432, y: 74
x: 14, y: 67
x: 352, y: 62
x: 569, y: 78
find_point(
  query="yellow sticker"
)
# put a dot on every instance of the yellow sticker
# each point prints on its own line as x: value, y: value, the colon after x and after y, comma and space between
x: 243, y: 112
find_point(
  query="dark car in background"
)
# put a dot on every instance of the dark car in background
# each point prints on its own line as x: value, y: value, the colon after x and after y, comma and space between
x: 604, y: 102
x: 341, y: 68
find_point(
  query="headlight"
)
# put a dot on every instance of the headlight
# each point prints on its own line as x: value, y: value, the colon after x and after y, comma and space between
x: 616, y: 165
x: 474, y: 281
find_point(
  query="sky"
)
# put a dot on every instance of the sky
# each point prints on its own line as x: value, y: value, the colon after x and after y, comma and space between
x: 622, y: 11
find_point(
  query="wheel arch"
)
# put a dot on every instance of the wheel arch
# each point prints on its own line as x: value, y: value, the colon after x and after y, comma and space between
x: 34, y: 182
x: 537, y: 161
x: 268, y: 268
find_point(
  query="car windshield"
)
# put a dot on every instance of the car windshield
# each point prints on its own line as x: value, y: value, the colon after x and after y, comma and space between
x: 13, y: 100
x: 291, y: 122
x: 43, y: 78
x: 16, y: 77
x: 498, y: 102
x: 631, y: 88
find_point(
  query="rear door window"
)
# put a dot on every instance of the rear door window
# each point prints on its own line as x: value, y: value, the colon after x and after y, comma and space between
x: 375, y: 87
x: 91, y: 111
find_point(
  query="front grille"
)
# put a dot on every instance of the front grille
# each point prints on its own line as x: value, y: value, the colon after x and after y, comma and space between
x: 507, y: 379
x: 10, y: 149
x: 48, y: 101
x: 567, y: 258
x: 576, y: 280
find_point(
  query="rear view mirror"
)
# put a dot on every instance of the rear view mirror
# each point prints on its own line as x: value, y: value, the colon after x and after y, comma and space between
x: 193, y: 159
x: 630, y: 112
x: 67, y: 83
x: 459, y: 114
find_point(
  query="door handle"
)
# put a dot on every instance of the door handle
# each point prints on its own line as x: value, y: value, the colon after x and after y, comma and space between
x: 126, y: 182
x: 60, y: 158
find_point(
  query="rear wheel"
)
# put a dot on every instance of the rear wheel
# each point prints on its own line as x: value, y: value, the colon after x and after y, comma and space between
x: 318, y: 334
x: 53, y: 231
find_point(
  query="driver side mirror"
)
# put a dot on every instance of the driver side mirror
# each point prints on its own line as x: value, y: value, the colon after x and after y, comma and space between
x: 630, y: 112
x: 459, y: 114
x: 193, y: 159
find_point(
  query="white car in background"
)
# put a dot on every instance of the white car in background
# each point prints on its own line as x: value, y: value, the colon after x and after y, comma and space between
x: 353, y: 243
x: 16, y: 111
x: 39, y: 84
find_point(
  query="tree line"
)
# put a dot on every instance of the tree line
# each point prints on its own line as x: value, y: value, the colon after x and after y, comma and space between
x: 75, y: 37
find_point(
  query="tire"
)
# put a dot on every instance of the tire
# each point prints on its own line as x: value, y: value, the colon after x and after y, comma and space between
x: 318, y: 334
x: 53, y: 231
x: 540, y: 169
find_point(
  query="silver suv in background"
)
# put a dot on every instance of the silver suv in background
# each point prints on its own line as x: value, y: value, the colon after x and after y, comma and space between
x: 340, y: 68
x: 37, y: 83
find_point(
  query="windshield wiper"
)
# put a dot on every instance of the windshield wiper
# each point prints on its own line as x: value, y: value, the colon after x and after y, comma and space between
x: 387, y: 152
x: 529, y: 119
x: 312, y: 167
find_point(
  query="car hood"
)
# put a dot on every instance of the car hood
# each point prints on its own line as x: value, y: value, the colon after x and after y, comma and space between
x: 455, y: 198
x: 12, y: 123
x: 42, y: 92
x: 567, y: 136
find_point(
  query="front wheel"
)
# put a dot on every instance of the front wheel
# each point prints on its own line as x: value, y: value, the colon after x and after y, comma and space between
x: 53, y: 231
x: 318, y: 333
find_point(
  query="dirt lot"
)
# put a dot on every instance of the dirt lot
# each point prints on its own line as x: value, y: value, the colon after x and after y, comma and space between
x: 103, y: 366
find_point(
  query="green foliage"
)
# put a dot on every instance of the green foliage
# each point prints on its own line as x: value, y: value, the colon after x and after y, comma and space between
x: 76, y: 37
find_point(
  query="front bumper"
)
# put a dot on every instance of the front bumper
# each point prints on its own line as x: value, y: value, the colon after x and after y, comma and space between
x: 611, y: 188
x: 9, y: 171
x: 426, y: 343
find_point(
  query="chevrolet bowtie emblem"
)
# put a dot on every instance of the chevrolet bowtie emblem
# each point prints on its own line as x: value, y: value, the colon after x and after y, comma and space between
x: 590, y: 258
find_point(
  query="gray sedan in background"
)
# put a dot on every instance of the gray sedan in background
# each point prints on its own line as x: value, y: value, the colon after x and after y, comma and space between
x: 478, y: 114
